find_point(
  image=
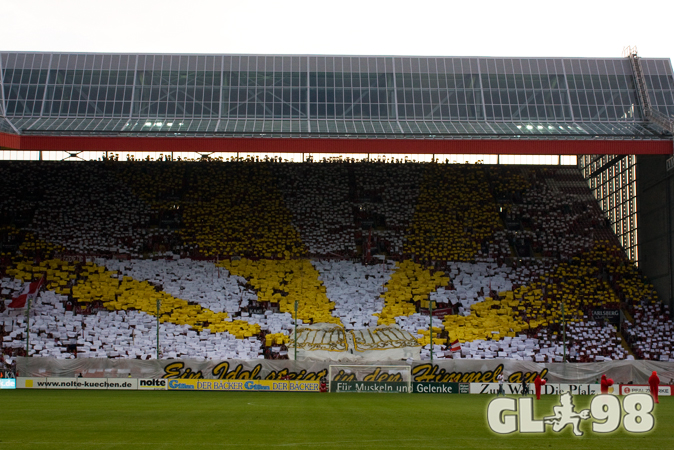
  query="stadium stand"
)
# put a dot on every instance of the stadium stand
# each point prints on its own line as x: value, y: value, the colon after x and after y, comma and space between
x: 651, y: 335
x: 454, y: 214
x: 218, y: 252
x: 386, y: 195
x: 318, y: 196
x: 85, y: 210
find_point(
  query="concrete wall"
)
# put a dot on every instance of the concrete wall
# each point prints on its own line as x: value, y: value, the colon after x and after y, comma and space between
x: 655, y: 216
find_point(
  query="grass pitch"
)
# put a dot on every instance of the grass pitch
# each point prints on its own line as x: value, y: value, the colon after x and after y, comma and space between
x: 255, y: 420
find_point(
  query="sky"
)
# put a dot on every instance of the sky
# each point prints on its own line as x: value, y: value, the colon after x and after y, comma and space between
x: 570, y: 28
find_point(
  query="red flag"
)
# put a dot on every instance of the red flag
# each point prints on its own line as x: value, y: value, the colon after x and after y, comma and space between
x: 29, y: 290
x: 455, y: 346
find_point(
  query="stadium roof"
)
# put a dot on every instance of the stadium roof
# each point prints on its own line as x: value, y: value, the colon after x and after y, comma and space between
x: 345, y: 97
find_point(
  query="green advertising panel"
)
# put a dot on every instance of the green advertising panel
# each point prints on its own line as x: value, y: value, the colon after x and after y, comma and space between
x: 399, y: 387
x: 369, y: 386
x: 435, y: 388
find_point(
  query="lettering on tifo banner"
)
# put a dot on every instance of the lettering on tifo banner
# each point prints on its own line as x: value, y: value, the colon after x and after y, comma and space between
x: 508, y: 415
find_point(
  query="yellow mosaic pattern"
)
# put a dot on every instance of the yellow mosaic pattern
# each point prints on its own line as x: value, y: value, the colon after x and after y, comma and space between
x: 238, y: 212
x: 408, y: 283
x: 455, y: 211
x: 425, y: 338
x: 284, y: 281
x: 227, y: 208
x: 275, y: 339
x: 490, y: 319
x: 577, y: 285
x: 96, y: 283
x: 509, y: 180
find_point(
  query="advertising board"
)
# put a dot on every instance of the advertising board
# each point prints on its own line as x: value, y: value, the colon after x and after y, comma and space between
x: 610, y: 315
x: 391, y: 387
x: 244, y: 385
x: 7, y: 383
x: 435, y: 388
x: 126, y: 384
x: 548, y: 389
x: 626, y: 389
x: 152, y: 384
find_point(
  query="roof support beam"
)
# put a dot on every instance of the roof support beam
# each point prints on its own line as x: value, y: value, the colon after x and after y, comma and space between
x: 339, y: 146
x: 3, y: 104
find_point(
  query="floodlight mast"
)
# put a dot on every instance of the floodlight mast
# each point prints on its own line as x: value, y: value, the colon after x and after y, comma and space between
x: 430, y: 314
x: 295, y: 331
x: 158, y: 308
x: 296, y: 306
x: 563, y: 332
x: 28, y: 329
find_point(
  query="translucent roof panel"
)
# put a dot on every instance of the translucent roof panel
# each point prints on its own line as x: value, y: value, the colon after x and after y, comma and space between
x: 395, y: 96
x: 5, y: 127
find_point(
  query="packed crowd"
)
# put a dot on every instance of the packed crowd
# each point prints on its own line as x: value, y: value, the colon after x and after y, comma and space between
x: 220, y: 254
x: 651, y: 335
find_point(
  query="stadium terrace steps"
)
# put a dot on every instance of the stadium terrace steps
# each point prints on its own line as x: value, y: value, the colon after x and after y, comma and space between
x: 624, y: 345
